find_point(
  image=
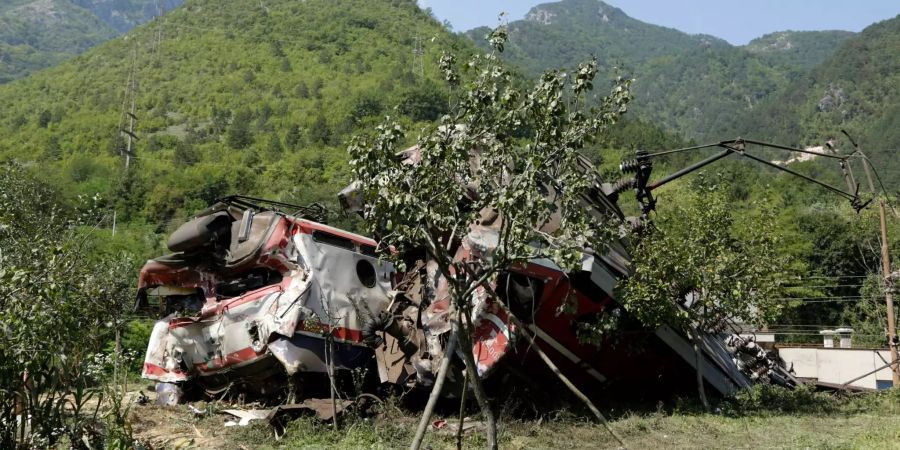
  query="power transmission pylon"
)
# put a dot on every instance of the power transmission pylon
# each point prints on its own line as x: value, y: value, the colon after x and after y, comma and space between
x: 132, y: 92
x: 160, y: 8
x: 130, y: 132
x: 418, y: 58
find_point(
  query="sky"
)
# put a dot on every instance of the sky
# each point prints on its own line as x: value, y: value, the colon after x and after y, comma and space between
x: 737, y: 21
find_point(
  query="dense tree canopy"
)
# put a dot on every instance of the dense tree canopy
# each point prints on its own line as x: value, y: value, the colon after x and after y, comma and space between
x: 237, y: 98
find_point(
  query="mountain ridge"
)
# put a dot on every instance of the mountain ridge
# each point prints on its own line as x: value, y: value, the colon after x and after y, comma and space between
x: 690, y: 84
x: 36, y: 34
x: 857, y: 88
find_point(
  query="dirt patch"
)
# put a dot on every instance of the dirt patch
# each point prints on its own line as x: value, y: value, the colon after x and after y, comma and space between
x: 178, y: 427
x: 859, y: 424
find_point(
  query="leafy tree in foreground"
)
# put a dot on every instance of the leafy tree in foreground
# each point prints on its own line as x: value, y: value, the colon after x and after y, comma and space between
x: 499, y: 152
x: 58, y: 303
x: 698, y: 267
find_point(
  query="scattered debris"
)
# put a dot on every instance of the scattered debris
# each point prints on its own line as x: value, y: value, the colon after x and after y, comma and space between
x: 141, y: 398
x: 196, y: 412
x: 451, y: 427
x: 168, y: 394
x: 321, y: 408
x: 245, y: 416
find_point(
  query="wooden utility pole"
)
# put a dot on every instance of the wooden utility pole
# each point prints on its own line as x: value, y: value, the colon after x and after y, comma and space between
x: 885, y: 266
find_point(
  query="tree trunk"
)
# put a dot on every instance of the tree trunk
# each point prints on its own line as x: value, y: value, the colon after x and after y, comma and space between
x: 329, y: 343
x: 698, y: 364
x: 462, y: 411
x: 118, y: 340
x: 465, y: 347
x: 435, y: 392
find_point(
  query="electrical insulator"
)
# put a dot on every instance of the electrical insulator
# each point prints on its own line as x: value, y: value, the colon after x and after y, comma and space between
x: 637, y: 225
x: 624, y: 185
x: 630, y: 166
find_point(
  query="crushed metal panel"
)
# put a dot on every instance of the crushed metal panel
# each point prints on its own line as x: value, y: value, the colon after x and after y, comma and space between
x: 567, y: 353
x: 711, y: 372
x: 327, y: 284
x: 494, y: 335
x: 322, y: 407
x: 393, y: 365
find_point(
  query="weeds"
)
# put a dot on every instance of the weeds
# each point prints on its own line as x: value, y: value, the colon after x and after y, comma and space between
x: 768, y: 399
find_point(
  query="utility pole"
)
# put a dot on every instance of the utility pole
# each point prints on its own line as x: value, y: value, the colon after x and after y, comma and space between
x: 885, y: 266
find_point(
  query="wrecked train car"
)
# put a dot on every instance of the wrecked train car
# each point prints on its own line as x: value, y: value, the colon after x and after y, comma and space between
x: 555, y: 307
x: 255, y: 296
x: 251, y: 294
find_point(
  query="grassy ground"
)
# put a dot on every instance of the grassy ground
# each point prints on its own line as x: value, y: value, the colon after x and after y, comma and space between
x: 757, y: 420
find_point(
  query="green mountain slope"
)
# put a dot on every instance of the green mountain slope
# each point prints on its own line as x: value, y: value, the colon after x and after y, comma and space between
x: 802, y: 50
x: 694, y: 84
x: 857, y: 89
x: 702, y: 92
x: 42, y: 33
x: 240, y: 97
x: 123, y: 15
x: 35, y: 34
x: 556, y: 35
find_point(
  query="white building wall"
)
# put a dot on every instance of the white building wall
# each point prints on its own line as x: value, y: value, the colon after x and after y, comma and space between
x: 838, y: 365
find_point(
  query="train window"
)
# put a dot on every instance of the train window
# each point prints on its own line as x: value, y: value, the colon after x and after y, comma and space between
x: 331, y: 239
x: 366, y: 273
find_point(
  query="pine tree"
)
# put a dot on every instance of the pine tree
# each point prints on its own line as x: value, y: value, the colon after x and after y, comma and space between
x: 239, y: 134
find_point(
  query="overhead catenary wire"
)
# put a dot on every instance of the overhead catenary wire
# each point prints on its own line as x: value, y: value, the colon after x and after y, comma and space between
x: 806, y: 302
x: 734, y: 141
x: 738, y: 146
x: 826, y: 286
x: 884, y: 190
x: 817, y: 277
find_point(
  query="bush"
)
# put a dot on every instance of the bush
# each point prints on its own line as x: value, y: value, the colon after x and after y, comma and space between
x: 770, y: 399
x: 56, y: 301
x: 135, y: 336
x: 424, y: 101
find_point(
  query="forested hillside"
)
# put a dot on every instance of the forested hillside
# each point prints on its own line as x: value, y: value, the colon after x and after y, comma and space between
x: 795, y: 88
x: 696, y: 85
x: 123, y: 15
x: 35, y: 34
x: 554, y: 35
x: 238, y: 98
x: 799, y: 50
x: 857, y: 88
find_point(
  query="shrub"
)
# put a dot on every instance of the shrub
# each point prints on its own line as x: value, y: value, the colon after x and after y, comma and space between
x: 771, y: 399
